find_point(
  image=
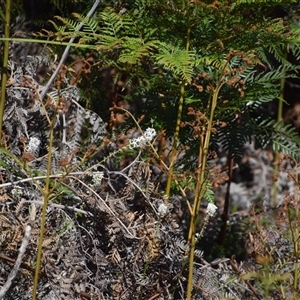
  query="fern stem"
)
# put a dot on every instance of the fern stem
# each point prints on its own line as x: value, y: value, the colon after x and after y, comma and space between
x: 175, y: 139
x: 179, y: 113
x: 41, y: 41
x: 276, y: 150
x: 5, y: 62
x: 197, y: 200
x: 46, y: 193
x: 200, y: 191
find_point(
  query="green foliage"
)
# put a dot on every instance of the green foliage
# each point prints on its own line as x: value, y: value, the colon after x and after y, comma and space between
x: 179, y: 62
x: 259, y: 4
x: 137, y: 33
x: 285, y: 137
x: 241, y: 56
x: 230, y: 53
x: 209, y: 194
x: 201, y: 69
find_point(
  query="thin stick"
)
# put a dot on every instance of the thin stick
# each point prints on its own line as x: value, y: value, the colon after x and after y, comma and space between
x: 108, y: 208
x: 22, y: 250
x: 44, y: 177
x: 66, y: 52
x: 61, y: 206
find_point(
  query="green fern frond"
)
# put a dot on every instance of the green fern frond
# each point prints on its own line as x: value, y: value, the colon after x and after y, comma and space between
x: 248, y: 74
x: 70, y: 24
x: 284, y: 137
x: 179, y: 61
x: 261, y: 93
x: 215, y: 60
x: 60, y: 30
x: 113, y: 23
x: 276, y: 74
x: 108, y: 43
x: 265, y: 86
x: 209, y: 194
x: 287, y: 139
x: 90, y: 26
x: 107, y: 30
x: 295, y: 50
x: 278, y: 52
x: 134, y: 49
x: 262, y: 56
x: 235, y: 135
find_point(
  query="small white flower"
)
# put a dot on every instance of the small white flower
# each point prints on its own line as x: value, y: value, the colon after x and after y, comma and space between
x: 97, y: 178
x: 211, y: 209
x: 162, y: 210
x: 33, y: 145
x: 150, y: 133
x: 141, y: 141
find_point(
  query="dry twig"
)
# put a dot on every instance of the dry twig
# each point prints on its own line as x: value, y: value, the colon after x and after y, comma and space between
x: 22, y: 250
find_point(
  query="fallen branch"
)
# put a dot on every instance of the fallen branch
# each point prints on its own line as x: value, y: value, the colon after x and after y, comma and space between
x: 22, y: 250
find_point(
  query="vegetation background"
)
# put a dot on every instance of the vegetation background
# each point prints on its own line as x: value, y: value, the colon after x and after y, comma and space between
x: 123, y: 124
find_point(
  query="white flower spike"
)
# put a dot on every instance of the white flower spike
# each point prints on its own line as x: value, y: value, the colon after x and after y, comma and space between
x: 141, y: 141
x: 97, y: 178
x: 211, y: 209
x: 162, y: 210
x: 33, y: 145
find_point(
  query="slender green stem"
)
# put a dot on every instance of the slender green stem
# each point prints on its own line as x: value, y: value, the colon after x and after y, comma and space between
x: 49, y: 42
x: 46, y: 193
x: 200, y: 190
x: 276, y: 150
x: 175, y: 139
x: 5, y: 62
x: 295, y: 240
x: 179, y: 112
